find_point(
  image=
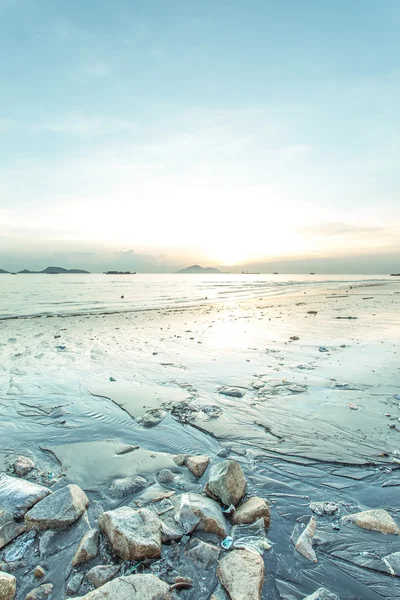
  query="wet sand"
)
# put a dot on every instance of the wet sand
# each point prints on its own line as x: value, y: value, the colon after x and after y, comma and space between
x: 296, y: 365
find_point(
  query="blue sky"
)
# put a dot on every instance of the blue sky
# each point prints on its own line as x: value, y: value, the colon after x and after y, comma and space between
x: 223, y: 133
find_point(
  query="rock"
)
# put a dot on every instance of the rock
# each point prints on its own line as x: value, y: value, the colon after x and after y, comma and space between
x: 59, y: 510
x: 23, y: 465
x: 197, y: 464
x: 201, y: 553
x: 9, y: 529
x: 132, y: 587
x: 392, y: 561
x: 39, y: 572
x: 126, y: 486
x: 304, y: 542
x: 40, y: 593
x: 99, y: 575
x: 165, y: 476
x: 153, y: 417
x: 180, y: 459
x: 8, y: 586
x: 17, y: 496
x: 133, y: 534
x: 233, y: 392
x: 374, y: 520
x: 194, y: 511
x: 322, y: 594
x: 88, y: 548
x: 324, y: 508
x: 241, y: 573
x: 226, y: 482
x: 250, y: 511
x: 74, y: 584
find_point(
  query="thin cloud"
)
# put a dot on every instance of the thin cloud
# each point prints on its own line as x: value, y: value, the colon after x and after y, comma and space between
x: 338, y: 228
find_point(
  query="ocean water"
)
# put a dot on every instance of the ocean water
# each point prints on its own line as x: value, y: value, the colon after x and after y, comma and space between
x: 34, y: 295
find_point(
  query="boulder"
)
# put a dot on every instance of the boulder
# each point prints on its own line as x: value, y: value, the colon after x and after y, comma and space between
x: 226, y: 482
x: 41, y: 593
x: 8, y: 586
x: 153, y: 417
x: 39, y: 572
x: 59, y: 510
x: 99, y: 575
x: 23, y: 465
x: 201, y: 554
x: 133, y: 534
x: 233, y: 392
x: 9, y: 529
x: 180, y: 459
x: 324, y: 508
x: 250, y: 511
x: 193, y: 511
x: 126, y: 486
x: 304, y: 542
x: 74, y: 584
x: 197, y: 464
x: 322, y: 594
x: 165, y: 476
x: 88, y: 548
x: 241, y: 573
x: 17, y: 496
x: 132, y: 587
x: 374, y: 520
x: 392, y: 562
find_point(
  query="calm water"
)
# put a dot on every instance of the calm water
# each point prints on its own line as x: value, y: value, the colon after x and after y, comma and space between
x: 32, y: 295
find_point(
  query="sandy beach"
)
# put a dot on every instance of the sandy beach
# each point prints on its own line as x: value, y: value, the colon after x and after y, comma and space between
x: 301, y: 389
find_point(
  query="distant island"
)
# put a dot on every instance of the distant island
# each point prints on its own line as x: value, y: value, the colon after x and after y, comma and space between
x: 395, y: 275
x: 48, y: 271
x: 198, y: 269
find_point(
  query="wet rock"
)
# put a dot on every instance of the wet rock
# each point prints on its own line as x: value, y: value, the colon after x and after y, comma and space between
x: 252, y: 510
x: 8, y: 586
x: 39, y: 572
x: 74, y: 584
x: 324, y: 508
x: 52, y: 542
x: 23, y: 465
x: 180, y: 459
x: 201, y: 553
x: 233, y: 392
x: 165, y: 476
x: 9, y: 529
x: 241, y: 573
x: 226, y: 482
x: 88, y: 548
x: 194, y: 511
x: 59, y: 510
x: 17, y: 496
x: 374, y: 520
x: 99, y: 575
x: 153, y: 417
x: 392, y: 561
x: 132, y: 587
x: 126, y: 486
x: 133, y: 534
x: 197, y: 464
x: 322, y: 594
x: 219, y: 594
x: 304, y: 542
x: 41, y: 593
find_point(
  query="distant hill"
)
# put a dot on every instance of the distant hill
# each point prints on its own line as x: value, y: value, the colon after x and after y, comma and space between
x: 2, y: 271
x: 199, y: 269
x: 53, y: 271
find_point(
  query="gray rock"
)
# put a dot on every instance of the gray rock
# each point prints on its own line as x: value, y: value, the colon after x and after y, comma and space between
x: 133, y: 534
x: 193, y: 511
x: 252, y: 510
x: 52, y: 542
x: 88, y: 548
x: 99, y: 575
x: 41, y: 593
x: 233, y: 392
x: 23, y: 465
x: 153, y: 417
x: 17, y: 496
x: 322, y: 594
x: 374, y: 520
x: 59, y: 510
x: 132, y: 587
x: 165, y: 476
x: 126, y: 486
x: 392, y: 561
x: 9, y: 529
x: 241, y: 573
x: 197, y: 464
x: 226, y: 482
x: 8, y: 586
x: 74, y: 584
x: 304, y: 542
x: 180, y: 459
x: 201, y: 554
x: 324, y: 508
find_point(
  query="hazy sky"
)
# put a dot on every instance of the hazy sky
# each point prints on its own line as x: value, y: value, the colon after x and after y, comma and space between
x: 213, y: 132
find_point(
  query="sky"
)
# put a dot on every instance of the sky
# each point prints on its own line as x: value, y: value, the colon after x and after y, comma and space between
x: 153, y: 135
